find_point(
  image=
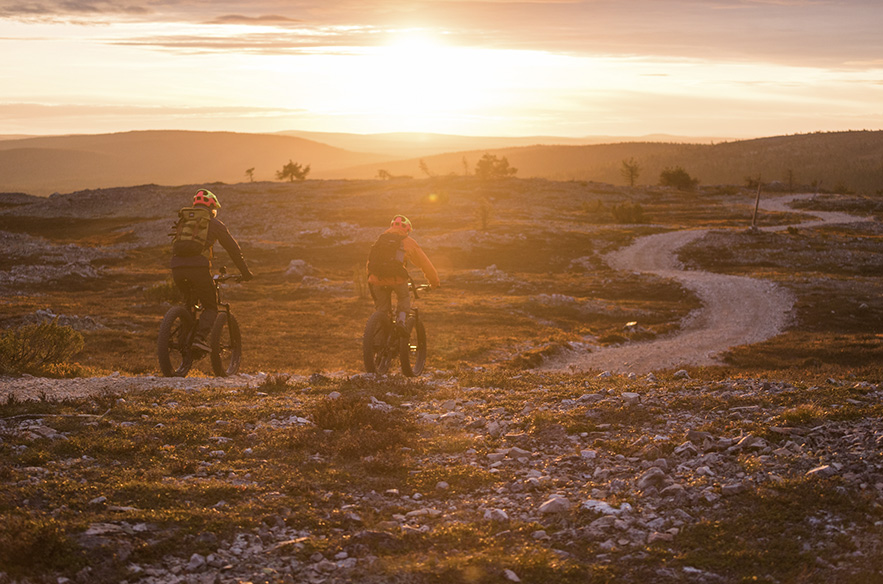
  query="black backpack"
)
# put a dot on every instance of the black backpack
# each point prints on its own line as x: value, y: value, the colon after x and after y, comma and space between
x: 190, y: 237
x: 387, y: 257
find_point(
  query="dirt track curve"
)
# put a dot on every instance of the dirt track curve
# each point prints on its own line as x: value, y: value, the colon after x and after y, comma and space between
x: 736, y: 310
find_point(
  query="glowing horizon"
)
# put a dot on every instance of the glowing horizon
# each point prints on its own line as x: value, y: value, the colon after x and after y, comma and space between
x: 681, y: 67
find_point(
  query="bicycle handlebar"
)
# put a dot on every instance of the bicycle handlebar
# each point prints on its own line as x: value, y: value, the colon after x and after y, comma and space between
x: 418, y: 288
x: 223, y: 276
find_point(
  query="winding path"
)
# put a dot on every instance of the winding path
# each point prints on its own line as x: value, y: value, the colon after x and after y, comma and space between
x: 736, y: 310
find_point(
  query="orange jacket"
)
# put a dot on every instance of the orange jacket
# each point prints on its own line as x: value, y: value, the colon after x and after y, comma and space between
x: 414, y: 254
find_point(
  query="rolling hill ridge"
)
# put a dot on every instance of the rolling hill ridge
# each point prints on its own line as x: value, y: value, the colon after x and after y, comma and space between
x: 41, y: 166
x: 835, y: 162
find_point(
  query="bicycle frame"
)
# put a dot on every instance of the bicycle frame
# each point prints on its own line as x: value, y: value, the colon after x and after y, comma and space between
x: 195, y: 308
x: 179, y: 329
x: 382, y: 341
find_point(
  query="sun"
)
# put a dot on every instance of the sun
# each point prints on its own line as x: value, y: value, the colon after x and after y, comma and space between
x: 416, y: 82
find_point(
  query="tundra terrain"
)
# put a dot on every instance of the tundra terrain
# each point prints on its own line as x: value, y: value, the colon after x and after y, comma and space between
x: 520, y: 455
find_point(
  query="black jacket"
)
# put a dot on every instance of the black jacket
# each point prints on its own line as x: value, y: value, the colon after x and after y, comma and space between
x: 217, y: 232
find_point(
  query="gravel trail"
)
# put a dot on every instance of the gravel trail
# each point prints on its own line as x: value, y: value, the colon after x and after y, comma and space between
x: 736, y: 310
x: 28, y: 387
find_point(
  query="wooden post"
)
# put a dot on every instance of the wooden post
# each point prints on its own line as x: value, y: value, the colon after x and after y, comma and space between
x: 756, y: 205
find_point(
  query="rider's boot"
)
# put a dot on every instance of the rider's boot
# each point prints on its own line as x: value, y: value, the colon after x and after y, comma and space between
x: 400, y: 324
x: 201, y: 343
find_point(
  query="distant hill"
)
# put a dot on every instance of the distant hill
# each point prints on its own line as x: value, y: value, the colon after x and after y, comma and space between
x: 45, y: 165
x: 834, y: 161
x: 416, y: 144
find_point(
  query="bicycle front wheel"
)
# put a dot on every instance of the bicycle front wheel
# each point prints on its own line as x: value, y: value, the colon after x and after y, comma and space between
x: 226, y: 344
x: 413, y: 349
x: 375, y: 343
x: 173, y: 343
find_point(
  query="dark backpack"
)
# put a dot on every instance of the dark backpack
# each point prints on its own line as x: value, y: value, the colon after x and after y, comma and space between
x: 387, y: 257
x: 191, y: 231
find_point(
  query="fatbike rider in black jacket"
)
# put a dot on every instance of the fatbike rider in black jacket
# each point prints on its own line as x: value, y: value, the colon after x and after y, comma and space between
x: 194, y: 273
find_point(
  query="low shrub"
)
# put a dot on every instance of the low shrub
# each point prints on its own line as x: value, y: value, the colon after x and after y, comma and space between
x: 628, y: 213
x: 164, y: 292
x: 678, y: 178
x: 355, y: 427
x: 32, y: 546
x: 37, y: 348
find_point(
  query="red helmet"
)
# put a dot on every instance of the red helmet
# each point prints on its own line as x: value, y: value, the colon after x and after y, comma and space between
x: 401, y: 221
x: 207, y: 198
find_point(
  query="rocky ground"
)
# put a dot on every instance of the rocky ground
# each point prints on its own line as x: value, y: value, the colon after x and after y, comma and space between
x: 618, y: 475
x: 661, y: 458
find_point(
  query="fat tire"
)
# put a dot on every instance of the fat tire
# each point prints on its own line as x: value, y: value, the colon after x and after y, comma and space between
x: 173, y: 343
x: 375, y: 343
x: 412, y: 351
x: 226, y: 344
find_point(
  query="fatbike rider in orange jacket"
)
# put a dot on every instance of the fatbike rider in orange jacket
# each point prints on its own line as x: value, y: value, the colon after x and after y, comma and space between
x: 383, y: 286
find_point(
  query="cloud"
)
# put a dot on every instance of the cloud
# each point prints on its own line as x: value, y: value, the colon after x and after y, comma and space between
x: 270, y: 20
x: 299, y: 40
x: 41, y: 118
x: 67, y: 9
x: 829, y: 33
x: 24, y: 111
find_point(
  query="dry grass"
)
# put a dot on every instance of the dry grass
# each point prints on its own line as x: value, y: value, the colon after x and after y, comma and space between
x: 291, y: 327
x: 154, y: 456
x: 152, y: 452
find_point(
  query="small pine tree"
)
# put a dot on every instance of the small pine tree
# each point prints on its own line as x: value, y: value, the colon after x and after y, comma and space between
x: 489, y: 166
x: 630, y: 171
x: 678, y: 178
x: 293, y: 171
x: 424, y: 168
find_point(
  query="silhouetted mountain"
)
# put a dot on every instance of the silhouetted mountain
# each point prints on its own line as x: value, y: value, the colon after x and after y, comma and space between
x: 835, y: 161
x: 66, y: 163
x: 412, y: 144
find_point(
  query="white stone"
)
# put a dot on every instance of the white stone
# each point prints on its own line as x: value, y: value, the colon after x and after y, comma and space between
x: 196, y: 562
x: 631, y: 398
x: 555, y: 505
x: 600, y: 507
x: 496, y: 515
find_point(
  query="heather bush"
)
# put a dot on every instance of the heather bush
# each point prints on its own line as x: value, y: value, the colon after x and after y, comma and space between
x: 35, y: 348
x: 678, y: 178
x: 628, y: 213
x: 165, y: 291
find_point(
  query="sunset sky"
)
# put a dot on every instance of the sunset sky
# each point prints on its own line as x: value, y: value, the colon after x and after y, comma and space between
x: 723, y: 68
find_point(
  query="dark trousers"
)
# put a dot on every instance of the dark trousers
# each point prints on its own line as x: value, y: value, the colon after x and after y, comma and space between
x: 196, y: 283
x: 382, y: 296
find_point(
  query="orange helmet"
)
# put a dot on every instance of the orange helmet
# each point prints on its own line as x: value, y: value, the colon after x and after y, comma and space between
x: 207, y: 198
x: 401, y: 221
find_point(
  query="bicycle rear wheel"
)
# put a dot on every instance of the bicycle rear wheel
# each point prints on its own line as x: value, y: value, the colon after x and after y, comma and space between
x: 413, y: 349
x: 226, y: 344
x: 375, y: 343
x: 173, y: 343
